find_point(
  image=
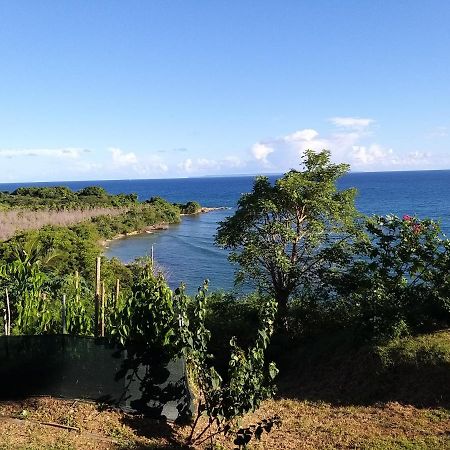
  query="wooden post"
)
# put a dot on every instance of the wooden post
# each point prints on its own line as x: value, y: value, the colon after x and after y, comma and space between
x: 8, y: 313
x: 97, y: 295
x: 102, y: 327
x: 5, y: 321
x: 63, y: 314
x: 117, y: 292
x: 77, y: 285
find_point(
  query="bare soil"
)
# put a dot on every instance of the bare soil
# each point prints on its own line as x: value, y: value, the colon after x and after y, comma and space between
x: 33, y: 424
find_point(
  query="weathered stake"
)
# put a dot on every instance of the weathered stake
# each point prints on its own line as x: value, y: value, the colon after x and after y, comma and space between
x: 103, y: 310
x: 77, y: 285
x: 117, y: 291
x: 63, y: 314
x: 8, y: 312
x: 97, y: 296
x: 5, y: 321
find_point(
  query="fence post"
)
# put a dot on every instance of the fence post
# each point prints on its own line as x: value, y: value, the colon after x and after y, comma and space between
x: 8, y: 312
x: 63, y: 314
x: 77, y: 285
x: 117, y: 291
x: 97, y: 295
x: 102, y: 328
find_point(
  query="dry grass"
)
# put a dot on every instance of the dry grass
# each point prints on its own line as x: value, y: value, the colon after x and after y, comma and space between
x: 21, y: 427
x: 14, y: 220
x: 306, y: 425
x: 415, y: 414
x: 312, y: 425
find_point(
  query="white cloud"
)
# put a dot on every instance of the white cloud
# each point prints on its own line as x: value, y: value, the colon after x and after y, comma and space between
x: 279, y: 154
x: 153, y: 166
x: 374, y: 154
x: 233, y: 162
x: 307, y: 134
x: 351, y: 122
x: 186, y: 165
x: 210, y: 166
x: 261, y: 151
x: 350, y: 143
x: 121, y: 159
x: 69, y: 152
x: 86, y: 166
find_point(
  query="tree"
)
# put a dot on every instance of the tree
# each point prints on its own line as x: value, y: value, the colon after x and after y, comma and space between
x: 283, y: 235
x: 94, y: 191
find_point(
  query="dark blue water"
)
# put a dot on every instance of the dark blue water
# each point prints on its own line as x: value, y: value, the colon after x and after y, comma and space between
x: 187, y: 250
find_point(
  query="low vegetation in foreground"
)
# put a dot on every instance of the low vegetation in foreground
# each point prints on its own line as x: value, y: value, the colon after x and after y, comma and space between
x: 344, y: 343
x: 315, y: 411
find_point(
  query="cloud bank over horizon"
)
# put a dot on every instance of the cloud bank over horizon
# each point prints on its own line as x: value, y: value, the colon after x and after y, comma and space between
x: 352, y: 140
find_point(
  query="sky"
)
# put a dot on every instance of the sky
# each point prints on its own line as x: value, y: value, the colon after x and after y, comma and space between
x: 110, y: 89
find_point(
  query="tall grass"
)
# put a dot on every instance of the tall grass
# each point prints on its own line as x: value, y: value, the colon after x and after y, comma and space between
x: 15, y: 220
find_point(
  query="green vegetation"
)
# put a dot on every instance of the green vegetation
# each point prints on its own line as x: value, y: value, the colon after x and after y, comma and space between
x: 364, y: 302
x: 33, y: 208
x: 63, y: 198
x: 302, y: 241
x: 225, y: 398
x: 38, y: 267
x: 189, y: 207
x: 284, y: 235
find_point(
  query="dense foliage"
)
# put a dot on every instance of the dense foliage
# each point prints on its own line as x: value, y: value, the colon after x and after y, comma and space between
x: 397, y: 281
x: 39, y: 267
x: 248, y: 379
x: 282, y: 235
x: 335, y: 274
x: 63, y: 198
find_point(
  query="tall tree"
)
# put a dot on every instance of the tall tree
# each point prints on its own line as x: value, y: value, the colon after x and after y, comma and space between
x: 283, y: 235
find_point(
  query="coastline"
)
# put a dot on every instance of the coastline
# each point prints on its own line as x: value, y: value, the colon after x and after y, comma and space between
x: 206, y: 209
x: 158, y: 226
x: 150, y: 229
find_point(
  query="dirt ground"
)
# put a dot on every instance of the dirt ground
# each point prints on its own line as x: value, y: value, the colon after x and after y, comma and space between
x: 55, y: 424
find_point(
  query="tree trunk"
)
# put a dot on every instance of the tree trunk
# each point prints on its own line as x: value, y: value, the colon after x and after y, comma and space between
x: 282, y: 297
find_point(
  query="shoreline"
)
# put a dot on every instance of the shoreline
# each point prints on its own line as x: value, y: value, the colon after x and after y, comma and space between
x: 206, y: 209
x: 147, y: 230
x: 158, y: 226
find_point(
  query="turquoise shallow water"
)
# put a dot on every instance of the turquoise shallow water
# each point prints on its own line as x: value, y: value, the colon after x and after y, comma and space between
x: 187, y: 250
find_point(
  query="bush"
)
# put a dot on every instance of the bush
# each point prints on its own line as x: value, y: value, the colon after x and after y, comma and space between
x: 190, y: 208
x: 398, y: 280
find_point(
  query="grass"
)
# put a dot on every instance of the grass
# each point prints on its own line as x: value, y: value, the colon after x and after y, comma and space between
x: 14, y: 220
x: 333, y: 369
x: 312, y: 417
x: 306, y: 425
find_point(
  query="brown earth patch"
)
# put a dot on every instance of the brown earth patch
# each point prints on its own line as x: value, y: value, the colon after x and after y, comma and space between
x: 305, y: 425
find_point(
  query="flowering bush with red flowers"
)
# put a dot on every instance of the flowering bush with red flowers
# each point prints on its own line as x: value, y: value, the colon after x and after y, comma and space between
x: 398, y: 278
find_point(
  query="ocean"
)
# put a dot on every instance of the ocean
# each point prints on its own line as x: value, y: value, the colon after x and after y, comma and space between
x: 187, y: 251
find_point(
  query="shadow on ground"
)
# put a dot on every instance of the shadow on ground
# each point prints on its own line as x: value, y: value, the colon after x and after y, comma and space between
x: 337, y: 370
x: 155, y: 430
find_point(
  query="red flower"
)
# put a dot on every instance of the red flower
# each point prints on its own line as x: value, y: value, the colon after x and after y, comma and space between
x: 417, y: 228
x: 407, y: 218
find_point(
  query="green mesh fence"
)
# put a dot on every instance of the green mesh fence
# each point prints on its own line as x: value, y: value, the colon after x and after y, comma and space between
x: 91, y: 368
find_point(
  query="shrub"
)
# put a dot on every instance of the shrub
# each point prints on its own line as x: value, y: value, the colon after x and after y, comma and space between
x: 398, y: 279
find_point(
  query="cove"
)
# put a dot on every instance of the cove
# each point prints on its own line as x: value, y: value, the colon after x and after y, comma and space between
x: 186, y: 252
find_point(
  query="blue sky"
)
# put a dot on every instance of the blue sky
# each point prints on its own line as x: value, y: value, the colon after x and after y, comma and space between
x: 160, y: 89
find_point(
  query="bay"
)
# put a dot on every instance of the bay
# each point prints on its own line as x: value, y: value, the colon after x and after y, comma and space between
x: 187, y: 250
